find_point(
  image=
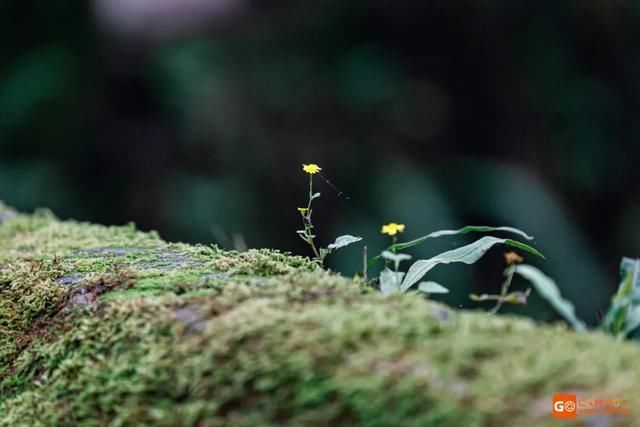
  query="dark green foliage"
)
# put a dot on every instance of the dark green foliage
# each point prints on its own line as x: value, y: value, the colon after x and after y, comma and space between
x: 623, y: 317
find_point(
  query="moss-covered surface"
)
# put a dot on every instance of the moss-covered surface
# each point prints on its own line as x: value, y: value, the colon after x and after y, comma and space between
x: 111, y: 326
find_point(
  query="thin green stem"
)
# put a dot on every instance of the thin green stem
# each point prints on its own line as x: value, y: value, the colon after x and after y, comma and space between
x: 394, y: 240
x: 308, y: 225
x: 365, y: 265
x: 310, y: 195
x: 511, y: 270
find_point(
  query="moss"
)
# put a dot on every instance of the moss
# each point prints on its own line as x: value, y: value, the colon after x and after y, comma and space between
x: 191, y: 335
x: 27, y: 292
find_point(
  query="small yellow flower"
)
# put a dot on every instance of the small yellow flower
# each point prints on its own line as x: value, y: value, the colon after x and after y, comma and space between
x: 303, y: 211
x: 513, y: 258
x: 311, y: 168
x: 392, y: 229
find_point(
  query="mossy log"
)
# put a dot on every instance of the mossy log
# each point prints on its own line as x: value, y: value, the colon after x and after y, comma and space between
x: 113, y: 326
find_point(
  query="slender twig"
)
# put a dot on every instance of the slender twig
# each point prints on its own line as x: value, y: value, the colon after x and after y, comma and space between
x: 365, y: 265
x: 511, y: 270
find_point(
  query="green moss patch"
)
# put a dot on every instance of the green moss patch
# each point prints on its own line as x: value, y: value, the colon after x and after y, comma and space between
x: 111, y: 326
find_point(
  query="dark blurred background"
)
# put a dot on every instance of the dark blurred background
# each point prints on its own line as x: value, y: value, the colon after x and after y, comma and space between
x: 193, y: 117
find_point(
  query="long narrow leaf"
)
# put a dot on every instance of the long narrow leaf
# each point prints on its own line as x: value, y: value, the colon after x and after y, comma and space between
x: 432, y: 288
x: 468, y: 254
x: 524, y: 247
x: 343, y: 241
x: 464, y: 230
x: 548, y: 290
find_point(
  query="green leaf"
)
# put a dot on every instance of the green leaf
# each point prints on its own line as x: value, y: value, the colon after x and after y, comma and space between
x: 315, y: 196
x: 484, y: 297
x: 464, y: 230
x: 343, y: 241
x: 432, y: 288
x: 390, y: 281
x: 548, y: 290
x: 630, y: 274
x: 622, y: 317
x: 395, y: 257
x: 632, y: 321
x: 516, y: 297
x: 468, y: 254
x: 524, y: 247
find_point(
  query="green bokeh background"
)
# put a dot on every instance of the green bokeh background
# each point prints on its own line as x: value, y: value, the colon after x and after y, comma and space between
x: 431, y: 113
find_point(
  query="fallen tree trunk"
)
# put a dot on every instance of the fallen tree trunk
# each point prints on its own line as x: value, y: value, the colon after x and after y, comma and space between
x: 112, y: 326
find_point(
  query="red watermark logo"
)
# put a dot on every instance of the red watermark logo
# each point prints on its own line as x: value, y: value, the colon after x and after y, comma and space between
x: 565, y: 405
x: 571, y: 406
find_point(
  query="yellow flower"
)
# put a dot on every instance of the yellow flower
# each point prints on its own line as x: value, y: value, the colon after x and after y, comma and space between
x: 311, y: 168
x: 303, y: 210
x: 513, y: 258
x: 392, y: 229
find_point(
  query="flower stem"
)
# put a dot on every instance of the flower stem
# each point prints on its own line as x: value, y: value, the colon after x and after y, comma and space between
x: 310, y: 195
x: 394, y: 240
x: 505, y: 288
x: 306, y: 219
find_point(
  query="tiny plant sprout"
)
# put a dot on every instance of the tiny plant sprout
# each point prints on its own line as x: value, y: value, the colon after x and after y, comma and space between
x: 391, y: 280
x: 392, y: 229
x: 307, y: 233
x: 511, y: 259
x: 622, y: 319
x: 394, y: 281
